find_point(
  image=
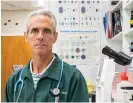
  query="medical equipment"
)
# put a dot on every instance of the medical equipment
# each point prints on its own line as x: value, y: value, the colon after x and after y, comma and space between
x: 55, y: 91
x: 124, y: 89
x: 119, y: 57
x: 106, y: 73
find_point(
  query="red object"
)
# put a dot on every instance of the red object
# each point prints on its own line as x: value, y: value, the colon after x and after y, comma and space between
x: 124, y: 76
x: 109, y: 35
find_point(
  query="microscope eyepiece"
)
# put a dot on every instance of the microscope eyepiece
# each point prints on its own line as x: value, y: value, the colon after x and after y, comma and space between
x: 119, y: 57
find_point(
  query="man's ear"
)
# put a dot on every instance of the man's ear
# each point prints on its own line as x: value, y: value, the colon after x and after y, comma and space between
x: 26, y: 36
x: 55, y: 37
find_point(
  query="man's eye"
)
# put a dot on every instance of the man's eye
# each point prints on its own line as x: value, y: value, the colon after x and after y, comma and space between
x: 47, y: 32
x: 34, y: 31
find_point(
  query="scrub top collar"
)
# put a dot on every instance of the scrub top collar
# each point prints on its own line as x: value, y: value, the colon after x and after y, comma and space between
x: 44, y: 69
x: 52, y: 72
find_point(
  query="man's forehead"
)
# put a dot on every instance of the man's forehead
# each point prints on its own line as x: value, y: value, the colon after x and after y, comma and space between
x: 39, y: 19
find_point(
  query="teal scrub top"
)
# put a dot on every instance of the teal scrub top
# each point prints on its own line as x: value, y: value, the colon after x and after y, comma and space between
x: 73, y: 86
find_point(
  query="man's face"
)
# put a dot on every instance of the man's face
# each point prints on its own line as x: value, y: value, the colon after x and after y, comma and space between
x: 40, y: 35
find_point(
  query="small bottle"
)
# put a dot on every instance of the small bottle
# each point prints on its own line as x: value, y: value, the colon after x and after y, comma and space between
x: 131, y: 20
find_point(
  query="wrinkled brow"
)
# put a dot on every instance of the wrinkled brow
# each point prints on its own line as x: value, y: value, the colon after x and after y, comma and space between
x: 44, y: 29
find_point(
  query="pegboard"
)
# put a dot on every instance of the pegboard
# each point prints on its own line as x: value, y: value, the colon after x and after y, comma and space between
x: 79, y: 49
x: 78, y: 22
x: 78, y: 14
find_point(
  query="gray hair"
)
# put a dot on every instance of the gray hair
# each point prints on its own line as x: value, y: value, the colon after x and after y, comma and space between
x: 44, y: 13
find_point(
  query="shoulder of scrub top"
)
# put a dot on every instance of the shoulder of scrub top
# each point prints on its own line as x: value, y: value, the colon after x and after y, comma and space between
x: 13, y: 78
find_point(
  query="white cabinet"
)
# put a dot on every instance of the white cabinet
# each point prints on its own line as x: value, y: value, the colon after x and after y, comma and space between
x: 115, y: 42
x: 127, y: 37
x: 122, y: 41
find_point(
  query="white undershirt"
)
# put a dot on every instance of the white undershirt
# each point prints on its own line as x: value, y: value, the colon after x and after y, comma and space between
x: 36, y: 77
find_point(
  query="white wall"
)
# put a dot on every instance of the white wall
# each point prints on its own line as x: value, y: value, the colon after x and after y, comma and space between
x: 16, y: 17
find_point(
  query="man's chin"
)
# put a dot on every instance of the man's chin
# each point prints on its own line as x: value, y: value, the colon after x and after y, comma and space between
x: 40, y: 53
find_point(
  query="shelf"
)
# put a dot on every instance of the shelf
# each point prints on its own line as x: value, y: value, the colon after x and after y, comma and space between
x: 130, y: 33
x: 117, y: 37
x: 129, y: 5
x: 117, y: 6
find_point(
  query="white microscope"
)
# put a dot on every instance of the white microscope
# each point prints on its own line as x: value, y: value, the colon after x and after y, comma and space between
x: 106, y: 73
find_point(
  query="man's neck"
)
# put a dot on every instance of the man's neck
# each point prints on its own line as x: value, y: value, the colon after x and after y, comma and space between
x: 41, y: 62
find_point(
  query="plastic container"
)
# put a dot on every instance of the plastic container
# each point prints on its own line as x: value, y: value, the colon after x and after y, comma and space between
x: 124, y: 90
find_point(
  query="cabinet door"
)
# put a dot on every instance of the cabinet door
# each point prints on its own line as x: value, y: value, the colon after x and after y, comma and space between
x: 14, y: 50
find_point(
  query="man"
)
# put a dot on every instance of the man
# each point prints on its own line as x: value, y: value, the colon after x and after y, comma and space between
x: 45, y: 78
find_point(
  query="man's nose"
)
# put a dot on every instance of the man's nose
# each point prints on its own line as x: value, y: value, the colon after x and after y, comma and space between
x: 40, y: 36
